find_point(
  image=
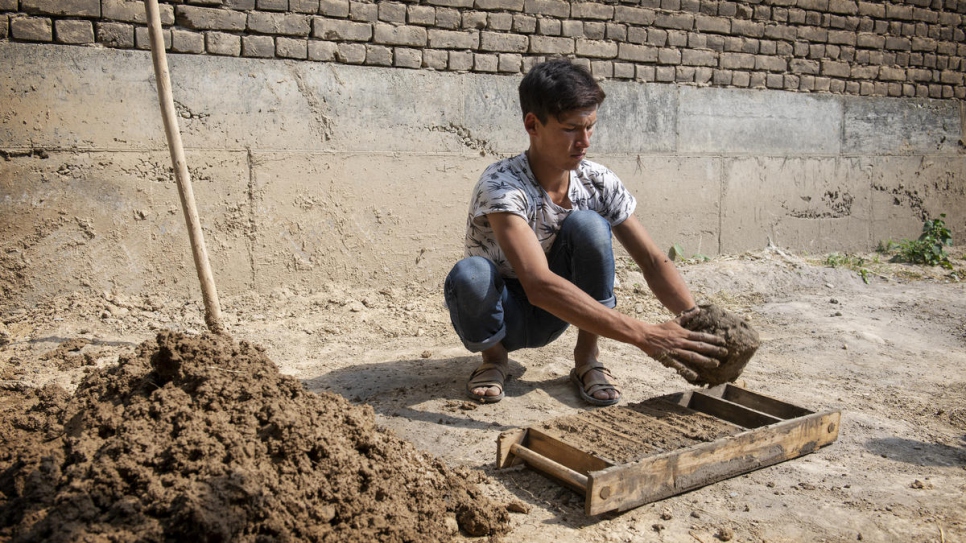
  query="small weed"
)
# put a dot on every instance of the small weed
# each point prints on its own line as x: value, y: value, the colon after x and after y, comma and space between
x: 851, y: 262
x: 929, y: 249
x: 676, y: 253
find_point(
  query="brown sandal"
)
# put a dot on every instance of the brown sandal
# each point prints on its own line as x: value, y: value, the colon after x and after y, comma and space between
x: 477, y: 382
x: 587, y: 388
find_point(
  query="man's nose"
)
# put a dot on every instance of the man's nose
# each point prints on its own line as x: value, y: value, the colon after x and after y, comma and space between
x: 583, y: 139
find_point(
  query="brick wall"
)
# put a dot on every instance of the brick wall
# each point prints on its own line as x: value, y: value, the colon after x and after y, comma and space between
x: 913, y: 48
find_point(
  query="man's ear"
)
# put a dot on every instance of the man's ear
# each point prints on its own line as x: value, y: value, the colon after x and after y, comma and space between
x: 530, y: 123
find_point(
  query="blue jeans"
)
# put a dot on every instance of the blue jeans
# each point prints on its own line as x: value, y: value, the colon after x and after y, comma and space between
x: 487, y: 309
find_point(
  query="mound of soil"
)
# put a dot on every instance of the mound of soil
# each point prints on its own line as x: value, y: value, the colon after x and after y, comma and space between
x: 202, y: 439
x: 741, y: 340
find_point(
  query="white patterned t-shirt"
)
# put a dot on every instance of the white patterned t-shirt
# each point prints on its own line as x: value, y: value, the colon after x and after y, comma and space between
x: 509, y: 186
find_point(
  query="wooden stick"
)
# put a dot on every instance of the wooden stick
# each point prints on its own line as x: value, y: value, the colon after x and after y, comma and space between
x: 175, y: 146
x: 550, y: 467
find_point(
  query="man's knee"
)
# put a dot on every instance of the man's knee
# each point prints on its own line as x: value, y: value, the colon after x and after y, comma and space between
x: 587, y: 228
x: 474, y: 278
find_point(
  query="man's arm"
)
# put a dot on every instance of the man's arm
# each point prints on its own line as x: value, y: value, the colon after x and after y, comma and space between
x: 659, y: 272
x: 563, y: 299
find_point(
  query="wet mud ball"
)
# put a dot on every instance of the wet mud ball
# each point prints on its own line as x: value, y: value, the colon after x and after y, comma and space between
x: 199, y: 438
x: 741, y: 340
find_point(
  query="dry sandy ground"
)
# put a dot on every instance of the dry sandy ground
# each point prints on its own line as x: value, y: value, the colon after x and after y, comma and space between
x: 890, y: 354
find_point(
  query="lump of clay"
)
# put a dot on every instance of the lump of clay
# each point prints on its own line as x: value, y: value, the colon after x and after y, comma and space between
x: 741, y: 340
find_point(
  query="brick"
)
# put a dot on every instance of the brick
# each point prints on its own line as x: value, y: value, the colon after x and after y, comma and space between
x: 758, y: 80
x: 553, y: 27
x: 741, y: 79
x: 502, y: 5
x: 351, y: 53
x: 334, y: 8
x: 309, y: 7
x: 341, y: 30
x: 474, y: 19
x: 120, y: 35
x: 841, y: 37
x: 321, y: 51
x: 657, y: 37
x: 378, y: 55
x: 524, y: 24
x: 422, y: 15
x: 736, y: 61
x: 550, y: 8
x: 596, y: 49
x: 804, y: 66
x: 923, y: 44
x: 72, y: 32
x: 814, y: 5
x: 766, y: 47
x: 435, y: 59
x: 510, y: 63
x: 505, y: 43
x: 272, y: 5
x: 196, y: 18
x: 591, y: 10
x: 664, y: 74
x: 460, y: 61
x: 645, y: 73
x: 485, y: 63
x: 258, y: 46
x: 221, y: 43
x: 637, y: 53
x: 450, y: 39
x: 499, y: 21
x: 616, y: 32
x: 669, y: 56
x: 870, y: 41
x: 716, y: 25
x: 62, y: 8
x: 403, y: 57
x: 722, y: 78
x: 445, y: 18
x: 747, y: 28
x: 898, y: 44
x: 692, y: 57
x: 780, y: 32
x: 897, y: 11
x: 602, y: 69
x: 684, y: 74
x: 634, y: 15
x: 594, y: 30
x: 871, y: 9
x: 133, y: 11
x: 392, y: 12
x: 367, y: 13
x: 240, y: 5
x: 412, y: 36
x: 832, y: 68
x: 845, y: 7
x: 678, y: 21
x: 774, y: 81
x: 813, y: 34
x: 283, y: 24
x: 184, y: 41
x: 451, y: 3
x: 545, y: 45
x: 864, y: 72
x: 4, y: 27
x: 635, y: 35
x: 142, y: 39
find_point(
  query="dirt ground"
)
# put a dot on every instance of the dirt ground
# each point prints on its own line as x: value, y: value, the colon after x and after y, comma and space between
x: 888, y: 351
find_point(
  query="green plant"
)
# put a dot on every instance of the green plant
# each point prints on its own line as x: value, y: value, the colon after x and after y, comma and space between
x: 930, y: 248
x: 676, y: 252
x: 851, y: 262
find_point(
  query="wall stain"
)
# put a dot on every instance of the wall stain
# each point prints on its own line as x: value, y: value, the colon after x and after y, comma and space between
x: 466, y: 138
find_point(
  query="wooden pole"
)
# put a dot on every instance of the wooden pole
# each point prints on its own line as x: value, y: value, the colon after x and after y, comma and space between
x: 175, y: 146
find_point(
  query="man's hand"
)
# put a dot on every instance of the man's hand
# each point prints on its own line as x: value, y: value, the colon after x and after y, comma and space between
x: 683, y: 350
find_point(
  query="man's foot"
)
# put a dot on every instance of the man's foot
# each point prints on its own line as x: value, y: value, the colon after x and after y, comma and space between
x: 486, y: 383
x: 595, y: 385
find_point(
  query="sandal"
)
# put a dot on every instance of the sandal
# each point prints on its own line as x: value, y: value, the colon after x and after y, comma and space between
x: 587, y: 389
x: 476, y: 382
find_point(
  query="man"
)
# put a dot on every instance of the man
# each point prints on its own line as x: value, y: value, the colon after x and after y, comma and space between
x: 539, y: 254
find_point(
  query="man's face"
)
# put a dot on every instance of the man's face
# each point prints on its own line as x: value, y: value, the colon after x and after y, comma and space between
x: 563, y: 141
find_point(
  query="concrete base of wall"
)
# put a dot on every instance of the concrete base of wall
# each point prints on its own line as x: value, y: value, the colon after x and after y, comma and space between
x: 307, y: 173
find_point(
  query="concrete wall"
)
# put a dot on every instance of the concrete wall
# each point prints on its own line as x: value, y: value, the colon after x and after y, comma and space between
x: 307, y: 173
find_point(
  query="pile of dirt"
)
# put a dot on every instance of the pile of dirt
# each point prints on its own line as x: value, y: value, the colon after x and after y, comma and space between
x: 741, y: 340
x: 202, y: 439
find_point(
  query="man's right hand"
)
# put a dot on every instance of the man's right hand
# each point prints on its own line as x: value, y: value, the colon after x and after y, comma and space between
x: 684, y: 351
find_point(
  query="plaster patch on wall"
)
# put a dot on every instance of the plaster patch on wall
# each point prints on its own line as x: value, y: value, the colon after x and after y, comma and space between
x: 466, y: 138
x: 316, y: 105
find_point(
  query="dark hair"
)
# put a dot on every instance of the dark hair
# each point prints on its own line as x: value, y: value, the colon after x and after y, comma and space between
x: 557, y: 86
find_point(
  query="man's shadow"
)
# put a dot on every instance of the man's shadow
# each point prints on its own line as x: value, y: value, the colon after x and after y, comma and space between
x: 398, y: 388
